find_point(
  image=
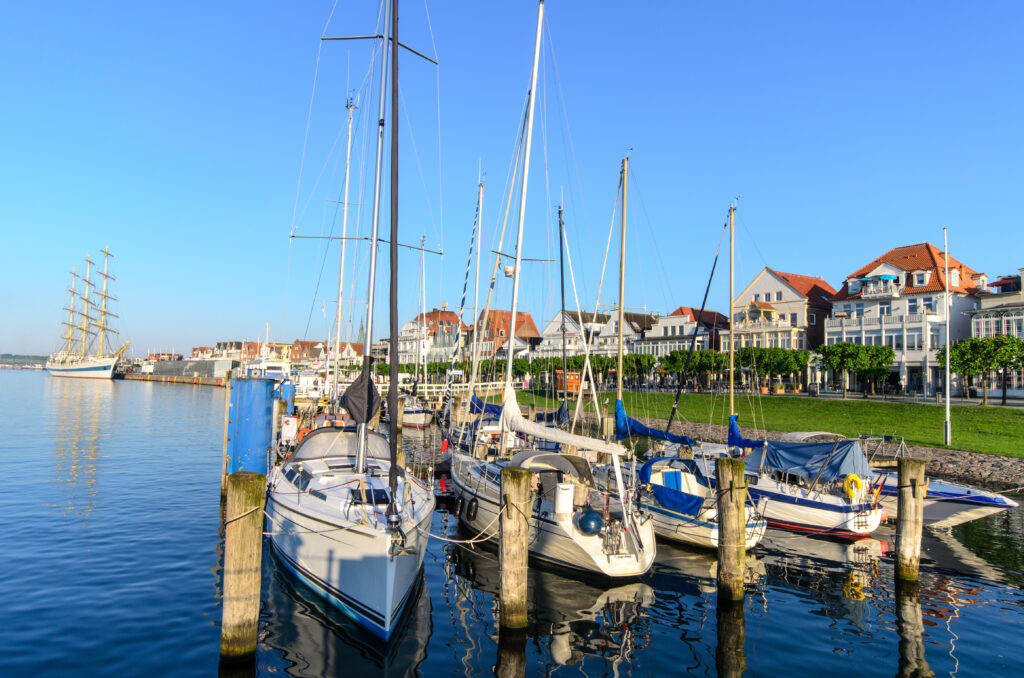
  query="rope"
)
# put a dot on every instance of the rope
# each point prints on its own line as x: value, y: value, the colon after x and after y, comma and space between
x: 479, y: 536
x: 239, y: 517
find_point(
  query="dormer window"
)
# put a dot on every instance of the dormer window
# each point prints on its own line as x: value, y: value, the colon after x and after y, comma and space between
x: 920, y: 279
x: 854, y: 286
x: 954, y: 278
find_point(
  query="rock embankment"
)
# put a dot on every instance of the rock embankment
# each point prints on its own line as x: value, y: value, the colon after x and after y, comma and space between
x: 983, y: 470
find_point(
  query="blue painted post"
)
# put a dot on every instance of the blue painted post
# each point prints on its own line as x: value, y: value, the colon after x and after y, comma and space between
x: 288, y: 395
x: 252, y: 408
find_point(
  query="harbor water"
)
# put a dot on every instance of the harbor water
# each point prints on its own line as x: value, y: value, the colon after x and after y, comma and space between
x: 111, y: 556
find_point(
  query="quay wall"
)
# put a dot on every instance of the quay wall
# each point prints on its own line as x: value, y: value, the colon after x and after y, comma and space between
x: 176, y: 379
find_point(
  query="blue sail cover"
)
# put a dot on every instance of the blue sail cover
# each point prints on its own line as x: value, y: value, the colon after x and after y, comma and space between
x: 476, y: 406
x: 808, y: 459
x: 671, y: 498
x: 626, y: 426
x: 559, y: 416
x: 736, y: 438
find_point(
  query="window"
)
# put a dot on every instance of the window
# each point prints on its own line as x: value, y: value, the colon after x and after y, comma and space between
x: 664, y: 331
x: 912, y: 305
x: 914, y: 341
x: 847, y: 308
x: 854, y: 286
x: 885, y: 308
x: 811, y: 319
x: 792, y: 319
x: 895, y: 340
x: 501, y: 333
x: 778, y: 296
x: 858, y: 310
x: 919, y: 279
x: 934, y: 338
x: 954, y: 278
x: 757, y: 297
x: 929, y: 304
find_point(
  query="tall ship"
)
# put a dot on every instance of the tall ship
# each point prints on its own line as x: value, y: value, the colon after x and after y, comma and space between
x: 87, y: 327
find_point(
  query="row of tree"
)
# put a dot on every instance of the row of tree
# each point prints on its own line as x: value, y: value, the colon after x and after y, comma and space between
x: 974, y: 356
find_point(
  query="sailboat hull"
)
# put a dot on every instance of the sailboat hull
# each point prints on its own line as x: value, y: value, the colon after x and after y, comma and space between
x: 86, y: 368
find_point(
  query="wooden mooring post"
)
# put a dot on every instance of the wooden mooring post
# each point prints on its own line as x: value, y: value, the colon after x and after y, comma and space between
x: 910, y: 517
x: 399, y: 412
x: 515, y: 491
x: 243, y: 556
x: 227, y: 440
x: 732, y: 553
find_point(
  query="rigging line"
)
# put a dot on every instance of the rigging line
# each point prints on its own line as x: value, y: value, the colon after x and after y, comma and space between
x: 309, y: 113
x: 419, y: 165
x: 440, y: 173
x: 657, y: 251
x: 572, y: 145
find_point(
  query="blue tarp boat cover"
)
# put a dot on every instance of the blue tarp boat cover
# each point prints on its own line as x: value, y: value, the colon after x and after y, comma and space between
x: 808, y: 459
x: 476, y: 406
x: 736, y: 438
x: 626, y: 426
x: 669, y: 495
x: 559, y: 416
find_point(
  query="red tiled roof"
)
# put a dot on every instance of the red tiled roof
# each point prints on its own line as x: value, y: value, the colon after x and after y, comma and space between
x: 708, y: 318
x: 763, y: 304
x: 499, y: 320
x: 814, y: 289
x: 435, y: 318
x: 920, y: 257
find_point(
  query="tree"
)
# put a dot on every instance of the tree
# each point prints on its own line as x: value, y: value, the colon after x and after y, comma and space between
x: 876, y: 363
x: 1006, y: 353
x: 966, y: 358
x: 842, y: 357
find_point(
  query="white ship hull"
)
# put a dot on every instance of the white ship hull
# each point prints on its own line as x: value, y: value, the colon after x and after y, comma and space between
x: 417, y: 418
x: 89, y: 367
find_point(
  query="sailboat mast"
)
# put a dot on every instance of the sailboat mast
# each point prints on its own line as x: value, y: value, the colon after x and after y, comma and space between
x: 622, y: 280
x: 102, y: 325
x: 947, y: 429
x: 85, y: 304
x: 393, y: 292
x: 522, y: 196
x: 361, y: 459
x: 561, y: 273
x: 732, y: 319
x: 341, y: 265
x: 421, y: 356
x: 476, y: 293
x: 69, y: 335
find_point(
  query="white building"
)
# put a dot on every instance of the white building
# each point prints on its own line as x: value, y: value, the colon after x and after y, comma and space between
x: 1002, y: 312
x: 896, y: 300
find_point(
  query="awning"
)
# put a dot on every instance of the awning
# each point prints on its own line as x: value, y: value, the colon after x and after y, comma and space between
x: 864, y: 279
x: 1004, y: 282
x: 889, y: 276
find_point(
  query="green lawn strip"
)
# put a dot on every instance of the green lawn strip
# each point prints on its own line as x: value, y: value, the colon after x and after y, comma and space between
x: 991, y: 430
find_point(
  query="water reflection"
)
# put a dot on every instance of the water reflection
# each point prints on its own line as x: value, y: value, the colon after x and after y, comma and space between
x: 570, y: 618
x: 78, y: 413
x: 309, y: 638
x: 730, y: 654
x: 910, y: 624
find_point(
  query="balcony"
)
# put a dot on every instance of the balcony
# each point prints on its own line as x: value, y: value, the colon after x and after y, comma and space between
x: 886, y: 289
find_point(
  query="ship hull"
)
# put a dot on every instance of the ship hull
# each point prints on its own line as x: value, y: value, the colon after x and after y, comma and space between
x: 87, y: 368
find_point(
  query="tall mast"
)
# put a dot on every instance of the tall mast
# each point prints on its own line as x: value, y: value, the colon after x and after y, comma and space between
x: 361, y: 459
x: 732, y: 319
x: 476, y: 292
x: 561, y: 273
x: 69, y: 336
x: 341, y: 265
x: 421, y: 356
x: 393, y: 288
x: 85, y: 304
x: 522, y: 197
x: 101, y: 326
x: 622, y: 279
x: 947, y: 429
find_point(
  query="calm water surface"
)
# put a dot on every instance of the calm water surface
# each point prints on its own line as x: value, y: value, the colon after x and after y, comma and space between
x: 110, y: 566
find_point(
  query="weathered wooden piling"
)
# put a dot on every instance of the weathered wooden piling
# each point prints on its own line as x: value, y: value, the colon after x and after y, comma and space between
x: 732, y: 552
x: 515, y: 491
x: 910, y: 626
x: 227, y: 440
x: 531, y: 411
x: 243, y: 554
x: 730, y: 653
x: 399, y: 412
x: 511, y: 661
x: 909, y: 517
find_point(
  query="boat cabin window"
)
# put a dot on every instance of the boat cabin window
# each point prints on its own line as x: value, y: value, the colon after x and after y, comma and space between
x: 376, y: 497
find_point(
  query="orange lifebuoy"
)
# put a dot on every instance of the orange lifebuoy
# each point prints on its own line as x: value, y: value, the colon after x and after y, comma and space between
x: 302, y: 433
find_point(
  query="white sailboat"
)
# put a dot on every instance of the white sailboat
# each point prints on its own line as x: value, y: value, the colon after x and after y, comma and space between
x: 345, y: 517
x: 564, y: 528
x: 74, y: 358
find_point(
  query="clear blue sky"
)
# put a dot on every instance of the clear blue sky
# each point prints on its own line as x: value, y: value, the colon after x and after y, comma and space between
x: 174, y: 133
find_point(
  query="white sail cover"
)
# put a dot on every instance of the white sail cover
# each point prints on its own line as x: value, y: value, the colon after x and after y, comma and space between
x: 513, y: 420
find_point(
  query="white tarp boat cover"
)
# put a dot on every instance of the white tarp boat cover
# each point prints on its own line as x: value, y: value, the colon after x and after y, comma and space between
x: 513, y: 420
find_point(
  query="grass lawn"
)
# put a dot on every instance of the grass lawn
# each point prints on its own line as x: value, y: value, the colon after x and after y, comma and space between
x: 992, y: 430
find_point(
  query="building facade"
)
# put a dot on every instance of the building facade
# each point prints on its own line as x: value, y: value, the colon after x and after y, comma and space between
x: 1001, y: 312
x: 896, y: 300
x: 780, y: 310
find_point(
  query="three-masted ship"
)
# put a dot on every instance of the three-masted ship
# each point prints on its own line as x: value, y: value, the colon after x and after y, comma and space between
x: 87, y: 325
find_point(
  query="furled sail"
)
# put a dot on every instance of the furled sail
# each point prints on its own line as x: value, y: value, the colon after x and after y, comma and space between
x: 626, y: 426
x: 736, y: 438
x: 513, y: 420
x: 477, y: 406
